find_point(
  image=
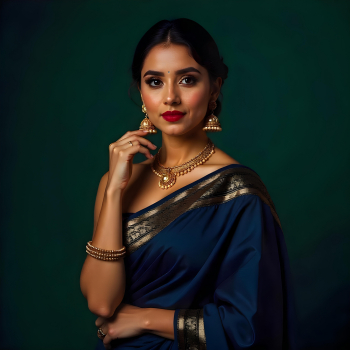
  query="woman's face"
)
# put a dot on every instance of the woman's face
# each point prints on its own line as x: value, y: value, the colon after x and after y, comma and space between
x: 172, y: 80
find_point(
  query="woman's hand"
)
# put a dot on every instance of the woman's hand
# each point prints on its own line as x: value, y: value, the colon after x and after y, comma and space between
x: 127, y: 321
x: 121, y: 154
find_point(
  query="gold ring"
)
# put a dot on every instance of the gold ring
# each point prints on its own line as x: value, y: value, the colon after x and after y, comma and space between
x: 130, y: 143
x: 100, y: 333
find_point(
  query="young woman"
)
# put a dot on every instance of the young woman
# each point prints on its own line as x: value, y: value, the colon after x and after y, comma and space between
x: 187, y: 250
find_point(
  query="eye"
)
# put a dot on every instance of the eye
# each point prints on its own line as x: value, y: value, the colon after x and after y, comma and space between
x: 189, y: 80
x: 153, y: 82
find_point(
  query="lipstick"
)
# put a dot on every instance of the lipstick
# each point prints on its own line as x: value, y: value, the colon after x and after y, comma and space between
x: 173, y: 116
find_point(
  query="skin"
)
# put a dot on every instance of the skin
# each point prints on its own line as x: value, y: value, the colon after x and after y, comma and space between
x: 182, y: 140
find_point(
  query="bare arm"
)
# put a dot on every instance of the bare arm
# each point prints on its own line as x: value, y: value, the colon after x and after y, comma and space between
x: 103, y: 282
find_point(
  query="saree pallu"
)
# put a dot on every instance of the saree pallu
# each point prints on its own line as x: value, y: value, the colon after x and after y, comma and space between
x: 214, y: 252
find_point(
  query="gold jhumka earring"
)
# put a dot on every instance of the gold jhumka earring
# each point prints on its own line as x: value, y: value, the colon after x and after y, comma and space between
x: 212, y: 124
x: 146, y: 124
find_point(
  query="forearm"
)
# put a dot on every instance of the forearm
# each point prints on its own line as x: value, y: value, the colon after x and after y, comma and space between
x: 103, y: 282
x: 160, y: 322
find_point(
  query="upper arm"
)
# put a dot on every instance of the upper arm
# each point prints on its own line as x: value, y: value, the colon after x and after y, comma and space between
x: 99, y: 199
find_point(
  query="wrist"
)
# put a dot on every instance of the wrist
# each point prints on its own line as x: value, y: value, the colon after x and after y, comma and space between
x: 159, y: 322
x: 146, y: 318
x: 114, y: 192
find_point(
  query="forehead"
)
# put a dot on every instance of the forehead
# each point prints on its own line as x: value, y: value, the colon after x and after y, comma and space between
x: 169, y: 58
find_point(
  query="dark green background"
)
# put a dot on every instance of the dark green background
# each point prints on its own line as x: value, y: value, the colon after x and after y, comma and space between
x: 65, y: 74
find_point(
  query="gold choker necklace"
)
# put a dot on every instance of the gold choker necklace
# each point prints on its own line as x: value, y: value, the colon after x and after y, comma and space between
x: 168, y: 175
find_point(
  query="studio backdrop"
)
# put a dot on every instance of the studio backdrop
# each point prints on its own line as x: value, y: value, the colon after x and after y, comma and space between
x: 65, y: 75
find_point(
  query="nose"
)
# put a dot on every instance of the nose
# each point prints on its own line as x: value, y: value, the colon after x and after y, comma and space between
x: 171, y: 96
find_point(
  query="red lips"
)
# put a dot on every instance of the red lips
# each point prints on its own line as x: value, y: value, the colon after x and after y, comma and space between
x: 172, y: 116
x: 173, y: 113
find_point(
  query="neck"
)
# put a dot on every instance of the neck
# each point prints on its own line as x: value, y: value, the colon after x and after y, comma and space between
x: 179, y: 149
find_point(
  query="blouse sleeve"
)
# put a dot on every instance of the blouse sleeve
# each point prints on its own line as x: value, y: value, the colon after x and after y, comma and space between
x: 251, y: 306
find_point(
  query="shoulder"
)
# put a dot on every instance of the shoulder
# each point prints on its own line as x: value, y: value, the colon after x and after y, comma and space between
x: 103, y: 181
x: 239, y: 185
x: 221, y: 158
x: 104, y: 177
x: 244, y: 183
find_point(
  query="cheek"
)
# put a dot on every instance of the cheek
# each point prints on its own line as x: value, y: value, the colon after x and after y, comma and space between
x: 151, y: 100
x: 196, y: 99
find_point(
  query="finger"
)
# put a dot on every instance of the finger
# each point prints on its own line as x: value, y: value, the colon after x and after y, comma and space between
x: 127, y: 134
x: 129, y: 151
x: 106, y: 341
x: 141, y: 140
x: 99, y: 321
x: 133, y: 143
x: 130, y: 133
x: 129, y: 144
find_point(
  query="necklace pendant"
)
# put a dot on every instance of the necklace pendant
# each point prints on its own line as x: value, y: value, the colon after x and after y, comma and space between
x: 168, y: 179
x: 168, y: 175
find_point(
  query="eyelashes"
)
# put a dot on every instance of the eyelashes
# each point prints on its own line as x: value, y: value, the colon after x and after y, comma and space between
x: 155, y: 82
x: 193, y: 79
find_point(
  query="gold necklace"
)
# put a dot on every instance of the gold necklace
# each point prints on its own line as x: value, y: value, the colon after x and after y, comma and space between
x: 168, y: 175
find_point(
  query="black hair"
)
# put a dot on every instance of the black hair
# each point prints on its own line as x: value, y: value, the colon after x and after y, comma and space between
x: 181, y: 31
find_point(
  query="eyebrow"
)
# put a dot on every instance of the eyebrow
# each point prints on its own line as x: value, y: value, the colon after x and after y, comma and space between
x: 178, y: 72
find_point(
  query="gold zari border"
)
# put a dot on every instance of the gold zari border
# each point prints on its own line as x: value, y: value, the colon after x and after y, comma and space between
x: 216, y: 189
x: 190, y: 330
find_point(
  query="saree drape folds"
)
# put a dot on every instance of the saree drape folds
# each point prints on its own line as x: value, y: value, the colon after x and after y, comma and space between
x: 214, y: 252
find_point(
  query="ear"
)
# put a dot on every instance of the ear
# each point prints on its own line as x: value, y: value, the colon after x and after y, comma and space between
x: 215, y: 91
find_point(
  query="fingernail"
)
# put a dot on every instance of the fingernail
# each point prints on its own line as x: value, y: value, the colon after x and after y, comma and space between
x: 144, y: 130
x: 154, y: 145
x: 152, y: 155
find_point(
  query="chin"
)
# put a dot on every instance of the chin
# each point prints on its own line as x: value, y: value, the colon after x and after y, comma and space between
x: 178, y: 130
x: 174, y: 130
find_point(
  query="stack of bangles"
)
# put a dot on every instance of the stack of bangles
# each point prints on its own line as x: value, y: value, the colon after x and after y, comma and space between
x: 104, y: 254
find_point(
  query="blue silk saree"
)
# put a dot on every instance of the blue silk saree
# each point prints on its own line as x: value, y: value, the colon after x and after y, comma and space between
x: 214, y: 252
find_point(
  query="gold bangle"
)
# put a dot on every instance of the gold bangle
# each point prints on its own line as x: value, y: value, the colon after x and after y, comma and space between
x: 106, y: 250
x: 102, y: 257
x: 105, y: 254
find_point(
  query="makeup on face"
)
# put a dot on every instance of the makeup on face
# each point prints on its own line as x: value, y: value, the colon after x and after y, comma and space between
x: 178, y: 72
x: 172, y: 116
x: 174, y: 87
x: 154, y: 82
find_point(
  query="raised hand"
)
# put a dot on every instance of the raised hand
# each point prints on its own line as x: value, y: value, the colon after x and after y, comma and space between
x: 121, y: 154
